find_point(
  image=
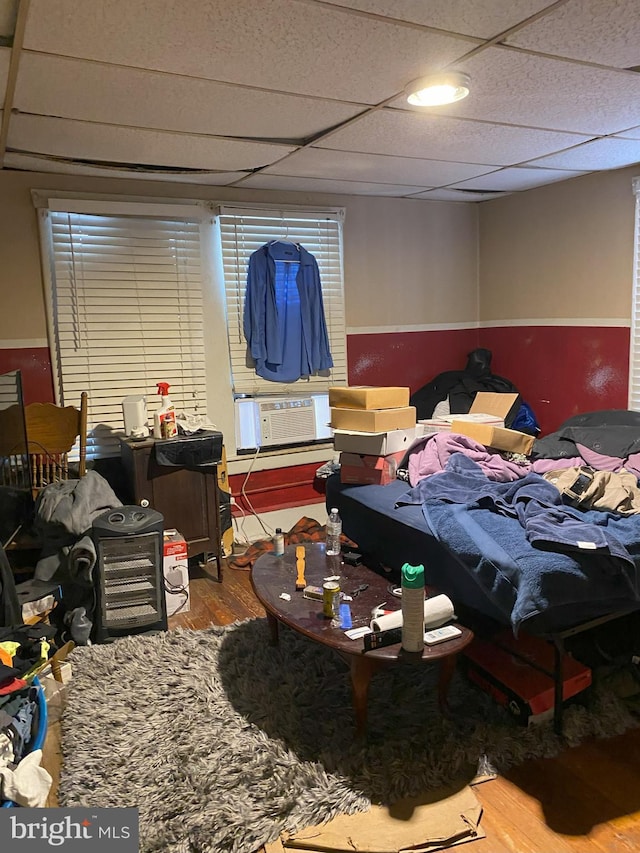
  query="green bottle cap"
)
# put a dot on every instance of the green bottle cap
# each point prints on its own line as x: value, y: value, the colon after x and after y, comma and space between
x: 412, y: 576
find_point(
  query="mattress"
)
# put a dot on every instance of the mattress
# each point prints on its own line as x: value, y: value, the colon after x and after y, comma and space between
x: 504, y: 578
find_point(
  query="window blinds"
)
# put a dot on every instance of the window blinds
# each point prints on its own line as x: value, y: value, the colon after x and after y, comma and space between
x: 634, y: 356
x: 242, y: 233
x: 126, y: 313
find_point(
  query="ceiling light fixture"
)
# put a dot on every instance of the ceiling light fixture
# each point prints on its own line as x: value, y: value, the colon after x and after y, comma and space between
x: 438, y: 89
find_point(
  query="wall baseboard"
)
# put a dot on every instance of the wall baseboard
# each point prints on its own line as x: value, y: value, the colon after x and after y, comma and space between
x: 249, y: 529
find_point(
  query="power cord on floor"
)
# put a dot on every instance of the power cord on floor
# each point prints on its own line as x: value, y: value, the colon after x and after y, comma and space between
x: 268, y: 532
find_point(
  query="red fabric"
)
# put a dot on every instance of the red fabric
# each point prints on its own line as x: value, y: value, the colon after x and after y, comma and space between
x: 12, y: 685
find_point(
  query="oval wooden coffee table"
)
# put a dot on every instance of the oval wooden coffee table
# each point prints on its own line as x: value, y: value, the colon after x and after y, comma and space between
x: 271, y: 576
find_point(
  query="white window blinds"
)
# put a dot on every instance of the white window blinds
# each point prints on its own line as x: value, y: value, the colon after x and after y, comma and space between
x: 125, y: 313
x: 242, y: 233
x: 634, y: 356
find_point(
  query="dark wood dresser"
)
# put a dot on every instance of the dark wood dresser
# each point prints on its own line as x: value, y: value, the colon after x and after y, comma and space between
x: 187, y: 498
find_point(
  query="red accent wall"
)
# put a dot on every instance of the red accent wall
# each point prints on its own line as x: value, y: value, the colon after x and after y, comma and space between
x: 562, y: 370
x: 407, y: 358
x: 34, y: 364
x: 279, y: 488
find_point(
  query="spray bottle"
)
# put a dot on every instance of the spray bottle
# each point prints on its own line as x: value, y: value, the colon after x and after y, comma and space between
x: 164, y: 420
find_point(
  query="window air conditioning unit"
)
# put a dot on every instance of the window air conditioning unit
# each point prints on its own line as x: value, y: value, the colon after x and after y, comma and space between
x: 277, y: 421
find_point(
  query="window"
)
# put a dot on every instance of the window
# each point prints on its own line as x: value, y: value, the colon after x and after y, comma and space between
x: 242, y: 232
x: 634, y: 358
x: 125, y: 312
x: 140, y: 292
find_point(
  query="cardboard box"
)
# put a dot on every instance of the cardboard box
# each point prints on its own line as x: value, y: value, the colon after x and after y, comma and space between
x: 443, y: 424
x: 374, y: 443
x: 501, y: 405
x: 518, y: 673
x: 373, y: 420
x: 176, y: 573
x: 362, y: 469
x: 368, y: 397
x: 490, y: 436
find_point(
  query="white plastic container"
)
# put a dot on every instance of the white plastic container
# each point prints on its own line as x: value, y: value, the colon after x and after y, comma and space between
x: 278, y: 543
x: 412, y: 608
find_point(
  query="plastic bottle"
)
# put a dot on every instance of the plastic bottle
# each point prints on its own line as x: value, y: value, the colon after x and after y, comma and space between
x: 334, y: 530
x: 412, y: 608
x: 278, y: 543
x: 164, y: 420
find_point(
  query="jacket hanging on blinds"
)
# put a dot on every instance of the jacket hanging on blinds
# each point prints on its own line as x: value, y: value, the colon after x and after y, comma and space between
x: 284, y: 321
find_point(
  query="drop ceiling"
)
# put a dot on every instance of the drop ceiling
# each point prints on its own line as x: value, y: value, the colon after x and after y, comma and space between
x: 307, y: 95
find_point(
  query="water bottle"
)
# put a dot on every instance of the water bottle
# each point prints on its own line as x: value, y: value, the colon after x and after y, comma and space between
x: 412, y: 608
x: 334, y: 531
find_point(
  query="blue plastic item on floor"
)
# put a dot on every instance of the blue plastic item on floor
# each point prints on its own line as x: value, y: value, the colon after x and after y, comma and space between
x: 38, y: 738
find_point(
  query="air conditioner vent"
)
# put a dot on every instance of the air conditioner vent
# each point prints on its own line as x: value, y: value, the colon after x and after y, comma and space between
x: 283, y: 421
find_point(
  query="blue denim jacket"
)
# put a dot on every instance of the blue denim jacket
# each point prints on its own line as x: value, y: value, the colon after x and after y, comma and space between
x: 284, y: 321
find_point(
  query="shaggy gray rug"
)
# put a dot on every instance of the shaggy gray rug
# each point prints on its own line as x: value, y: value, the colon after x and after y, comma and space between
x: 222, y: 740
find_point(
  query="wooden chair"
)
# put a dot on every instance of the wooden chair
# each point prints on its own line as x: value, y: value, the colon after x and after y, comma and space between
x: 35, y: 442
x: 51, y: 433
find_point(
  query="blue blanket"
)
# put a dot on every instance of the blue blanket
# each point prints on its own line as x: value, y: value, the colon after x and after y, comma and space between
x: 593, y: 554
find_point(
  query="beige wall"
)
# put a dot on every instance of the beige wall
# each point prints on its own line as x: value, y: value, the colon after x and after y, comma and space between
x: 561, y: 251
x: 407, y: 262
x: 410, y: 262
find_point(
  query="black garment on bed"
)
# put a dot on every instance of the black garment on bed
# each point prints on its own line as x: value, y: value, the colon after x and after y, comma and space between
x: 461, y: 387
x: 612, y: 432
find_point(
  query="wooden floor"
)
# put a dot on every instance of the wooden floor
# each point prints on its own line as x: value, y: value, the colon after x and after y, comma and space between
x: 587, y: 800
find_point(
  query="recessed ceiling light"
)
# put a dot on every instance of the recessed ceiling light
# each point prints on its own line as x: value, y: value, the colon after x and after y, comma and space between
x: 438, y: 89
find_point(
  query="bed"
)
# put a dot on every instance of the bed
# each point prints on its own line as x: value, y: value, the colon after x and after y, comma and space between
x: 513, y: 550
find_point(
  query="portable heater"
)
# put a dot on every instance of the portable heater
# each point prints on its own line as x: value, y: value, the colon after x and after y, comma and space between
x: 128, y: 578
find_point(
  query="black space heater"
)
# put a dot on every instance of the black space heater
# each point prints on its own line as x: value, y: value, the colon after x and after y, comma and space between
x: 129, y: 577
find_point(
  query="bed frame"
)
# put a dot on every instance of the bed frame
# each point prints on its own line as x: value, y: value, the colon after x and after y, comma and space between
x: 389, y: 541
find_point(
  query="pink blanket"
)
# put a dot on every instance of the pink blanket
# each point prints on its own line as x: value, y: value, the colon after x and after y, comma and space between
x: 430, y: 454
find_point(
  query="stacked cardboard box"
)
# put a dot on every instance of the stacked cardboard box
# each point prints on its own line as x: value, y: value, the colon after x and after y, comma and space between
x: 373, y: 427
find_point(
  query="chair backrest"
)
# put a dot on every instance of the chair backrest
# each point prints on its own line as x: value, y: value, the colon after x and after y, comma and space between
x: 51, y: 433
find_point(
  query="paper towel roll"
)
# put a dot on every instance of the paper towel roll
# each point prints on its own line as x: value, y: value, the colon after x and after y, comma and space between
x: 437, y: 611
x: 387, y: 620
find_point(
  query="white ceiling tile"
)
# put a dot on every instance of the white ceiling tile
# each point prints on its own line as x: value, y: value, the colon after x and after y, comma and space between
x: 8, y: 12
x: 437, y: 137
x: 277, y: 44
x: 32, y: 163
x: 602, y: 31
x: 74, y: 88
x: 84, y: 141
x: 457, y: 195
x: 632, y: 133
x: 611, y: 153
x: 344, y: 166
x: 5, y: 59
x: 324, y: 185
x: 516, y: 179
x: 483, y: 20
x: 536, y: 91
